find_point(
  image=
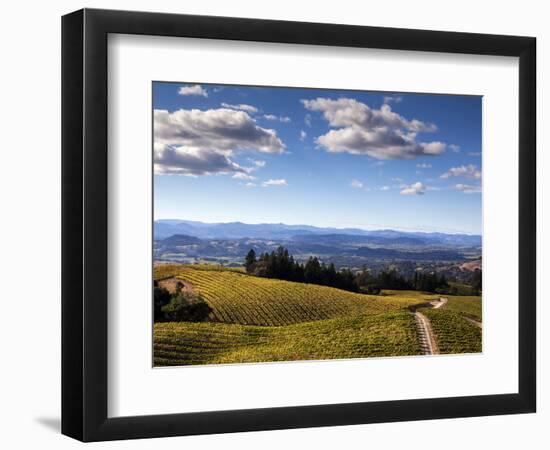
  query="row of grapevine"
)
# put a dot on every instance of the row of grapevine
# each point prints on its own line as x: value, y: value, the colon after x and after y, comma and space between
x: 243, y: 299
x: 453, y: 333
x: 185, y: 343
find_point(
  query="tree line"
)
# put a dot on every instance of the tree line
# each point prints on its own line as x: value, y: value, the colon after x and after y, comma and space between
x: 281, y: 265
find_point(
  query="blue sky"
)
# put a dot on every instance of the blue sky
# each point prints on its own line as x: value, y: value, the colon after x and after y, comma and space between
x: 319, y: 157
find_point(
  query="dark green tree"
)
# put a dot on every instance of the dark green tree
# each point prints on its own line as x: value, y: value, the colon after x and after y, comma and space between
x: 476, y: 282
x: 250, y: 261
x: 186, y: 307
x: 161, y: 297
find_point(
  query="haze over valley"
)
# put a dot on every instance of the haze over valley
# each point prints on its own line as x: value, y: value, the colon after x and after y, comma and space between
x: 226, y: 244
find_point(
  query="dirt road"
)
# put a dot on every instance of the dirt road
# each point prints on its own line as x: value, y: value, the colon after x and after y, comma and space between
x: 428, y: 342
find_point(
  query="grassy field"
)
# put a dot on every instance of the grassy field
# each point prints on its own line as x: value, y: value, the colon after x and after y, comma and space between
x: 184, y: 343
x: 259, y: 319
x: 452, y: 332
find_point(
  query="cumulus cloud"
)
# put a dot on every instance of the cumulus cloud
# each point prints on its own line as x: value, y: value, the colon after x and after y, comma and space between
x: 197, y: 142
x: 414, y: 189
x: 468, y: 188
x: 380, y: 133
x: 469, y: 171
x: 356, y: 184
x: 275, y: 182
x: 424, y: 166
x: 219, y: 129
x: 273, y: 117
x: 197, y: 89
x: 192, y: 161
x: 241, y: 107
x: 303, y: 135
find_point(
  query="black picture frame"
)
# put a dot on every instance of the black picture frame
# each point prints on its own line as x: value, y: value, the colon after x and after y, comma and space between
x: 84, y: 224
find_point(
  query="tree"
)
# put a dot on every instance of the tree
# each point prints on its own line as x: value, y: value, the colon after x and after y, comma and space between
x: 250, y: 261
x: 281, y: 264
x: 186, y: 307
x: 161, y: 297
x: 476, y: 282
x: 312, y: 271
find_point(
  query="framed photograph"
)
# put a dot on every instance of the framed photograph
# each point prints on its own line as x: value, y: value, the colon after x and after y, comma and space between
x: 273, y: 225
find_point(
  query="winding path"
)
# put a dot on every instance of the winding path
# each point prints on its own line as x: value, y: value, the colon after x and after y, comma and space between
x: 477, y: 323
x: 426, y: 335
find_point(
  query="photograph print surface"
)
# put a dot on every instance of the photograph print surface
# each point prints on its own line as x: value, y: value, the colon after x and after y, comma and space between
x: 295, y: 224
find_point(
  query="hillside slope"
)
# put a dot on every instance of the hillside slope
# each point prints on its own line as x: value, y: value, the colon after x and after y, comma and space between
x: 184, y: 343
x: 238, y: 298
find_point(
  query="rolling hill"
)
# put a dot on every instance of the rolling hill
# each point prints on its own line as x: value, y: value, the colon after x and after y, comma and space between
x: 390, y: 334
x: 238, y: 298
x: 257, y: 319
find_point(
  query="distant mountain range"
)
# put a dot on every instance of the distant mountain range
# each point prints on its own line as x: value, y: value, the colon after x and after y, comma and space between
x: 305, y: 234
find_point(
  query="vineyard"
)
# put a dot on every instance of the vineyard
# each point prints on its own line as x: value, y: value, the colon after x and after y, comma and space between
x: 243, y: 299
x: 452, y: 332
x: 256, y: 319
x: 390, y: 334
x: 469, y: 306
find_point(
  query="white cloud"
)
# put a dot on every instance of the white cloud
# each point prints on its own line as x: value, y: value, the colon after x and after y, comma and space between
x: 273, y: 117
x: 197, y: 89
x: 249, y: 185
x: 393, y: 99
x: 192, y: 161
x: 307, y: 120
x: 379, y: 133
x: 468, y: 188
x: 275, y: 182
x: 469, y: 171
x: 356, y: 184
x: 303, y: 135
x: 196, y: 142
x: 424, y: 166
x: 414, y: 189
x: 257, y: 162
x: 218, y: 129
x: 243, y: 176
x: 242, y: 107
x: 455, y: 148
x: 385, y: 188
x: 474, y: 153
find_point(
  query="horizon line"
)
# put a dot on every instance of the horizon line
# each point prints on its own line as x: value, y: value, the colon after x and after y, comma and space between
x: 361, y: 228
